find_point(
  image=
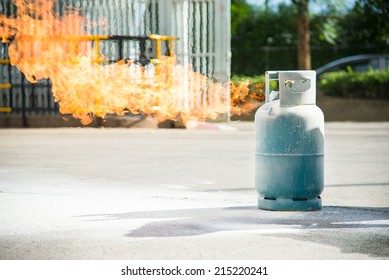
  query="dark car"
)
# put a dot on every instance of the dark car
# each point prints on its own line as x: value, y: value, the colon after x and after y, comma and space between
x: 363, y: 62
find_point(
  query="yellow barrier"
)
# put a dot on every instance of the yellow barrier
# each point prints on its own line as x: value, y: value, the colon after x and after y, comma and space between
x: 4, y: 61
x: 3, y: 86
x: 97, y: 38
x: 158, y: 38
x: 5, y: 109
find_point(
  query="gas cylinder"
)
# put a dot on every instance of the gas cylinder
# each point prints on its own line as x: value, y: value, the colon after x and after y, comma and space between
x: 289, y: 144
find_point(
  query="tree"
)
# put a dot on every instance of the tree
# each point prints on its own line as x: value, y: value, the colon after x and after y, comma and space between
x: 264, y: 37
x: 262, y: 42
x: 303, y: 35
x: 367, y: 24
x: 240, y: 12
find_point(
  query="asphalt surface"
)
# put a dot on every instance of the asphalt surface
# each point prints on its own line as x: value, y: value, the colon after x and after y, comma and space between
x: 75, y: 193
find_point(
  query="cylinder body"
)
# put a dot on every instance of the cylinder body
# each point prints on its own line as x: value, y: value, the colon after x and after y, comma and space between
x: 289, y: 156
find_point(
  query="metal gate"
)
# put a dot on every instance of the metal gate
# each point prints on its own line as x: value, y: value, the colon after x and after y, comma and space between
x: 202, y: 26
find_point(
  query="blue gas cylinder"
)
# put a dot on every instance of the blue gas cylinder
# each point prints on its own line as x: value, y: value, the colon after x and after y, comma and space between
x: 289, y: 144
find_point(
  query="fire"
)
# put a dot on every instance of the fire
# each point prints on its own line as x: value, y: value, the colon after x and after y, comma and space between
x: 45, y: 45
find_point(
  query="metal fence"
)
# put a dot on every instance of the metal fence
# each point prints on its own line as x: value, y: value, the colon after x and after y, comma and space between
x: 202, y: 27
x: 20, y: 97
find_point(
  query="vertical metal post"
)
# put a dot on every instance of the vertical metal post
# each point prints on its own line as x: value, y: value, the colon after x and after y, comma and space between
x: 158, y: 48
x: 97, y: 49
x: 10, y: 81
x: 49, y: 89
x: 170, y: 48
x: 211, y: 39
x: 203, y: 31
x: 120, y: 46
x: 142, y: 55
x: 23, y: 91
x: 32, y: 98
x: 48, y: 99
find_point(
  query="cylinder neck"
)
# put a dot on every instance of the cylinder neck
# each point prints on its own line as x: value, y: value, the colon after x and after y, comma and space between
x: 295, y: 87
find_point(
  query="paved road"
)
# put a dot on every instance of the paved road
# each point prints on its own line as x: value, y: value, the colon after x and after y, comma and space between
x: 73, y: 193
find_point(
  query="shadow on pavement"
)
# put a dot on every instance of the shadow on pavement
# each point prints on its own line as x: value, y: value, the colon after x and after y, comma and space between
x: 186, y: 222
x: 352, y: 229
x: 358, y: 185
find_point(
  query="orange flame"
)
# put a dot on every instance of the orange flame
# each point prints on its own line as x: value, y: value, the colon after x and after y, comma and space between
x: 48, y: 46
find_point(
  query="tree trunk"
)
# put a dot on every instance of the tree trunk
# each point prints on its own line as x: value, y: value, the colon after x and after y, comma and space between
x: 303, y: 36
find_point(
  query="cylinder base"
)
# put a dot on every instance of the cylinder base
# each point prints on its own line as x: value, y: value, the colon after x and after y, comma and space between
x: 284, y: 204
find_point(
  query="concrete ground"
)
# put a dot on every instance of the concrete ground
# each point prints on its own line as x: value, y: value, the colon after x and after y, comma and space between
x: 73, y: 193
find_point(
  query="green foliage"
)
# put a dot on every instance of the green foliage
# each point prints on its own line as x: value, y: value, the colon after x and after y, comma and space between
x: 259, y: 79
x: 373, y: 84
x: 265, y: 38
x: 256, y: 43
x: 240, y: 12
x: 367, y: 23
x: 329, y: 31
